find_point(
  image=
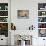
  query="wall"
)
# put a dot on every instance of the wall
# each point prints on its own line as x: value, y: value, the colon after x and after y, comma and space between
x: 23, y: 24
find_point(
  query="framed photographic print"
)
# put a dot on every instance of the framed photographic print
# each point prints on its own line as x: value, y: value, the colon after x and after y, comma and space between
x: 23, y: 14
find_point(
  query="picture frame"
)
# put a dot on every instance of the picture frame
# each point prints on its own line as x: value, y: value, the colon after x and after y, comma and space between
x: 23, y: 14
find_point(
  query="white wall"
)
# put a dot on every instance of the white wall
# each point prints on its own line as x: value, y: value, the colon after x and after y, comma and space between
x: 23, y: 24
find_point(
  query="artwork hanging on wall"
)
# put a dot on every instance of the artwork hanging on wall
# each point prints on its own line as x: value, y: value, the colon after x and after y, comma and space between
x: 23, y: 14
